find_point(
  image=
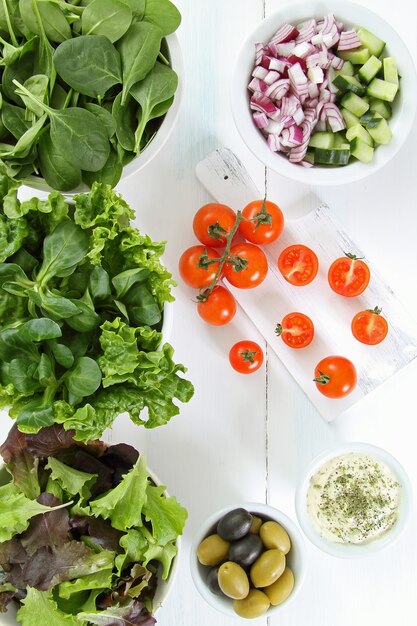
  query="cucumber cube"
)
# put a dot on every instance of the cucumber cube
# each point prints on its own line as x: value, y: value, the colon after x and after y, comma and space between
x: 354, y: 104
x: 358, y: 56
x: 309, y: 157
x: 379, y: 130
x: 350, y: 118
x: 382, y: 89
x: 348, y: 83
x: 390, y: 70
x: 374, y: 44
x: 359, y: 132
x: 347, y: 69
x: 340, y: 140
x: 371, y: 68
x: 334, y: 156
x: 381, y: 107
x: 361, y: 151
x: 321, y: 140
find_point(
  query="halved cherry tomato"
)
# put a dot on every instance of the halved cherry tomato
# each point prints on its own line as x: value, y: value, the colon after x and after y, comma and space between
x: 298, y: 265
x: 250, y: 267
x: 246, y: 357
x: 369, y: 327
x: 212, y: 222
x: 191, y: 270
x: 219, y: 308
x: 335, y: 376
x: 268, y: 222
x: 349, y: 276
x: 296, y: 330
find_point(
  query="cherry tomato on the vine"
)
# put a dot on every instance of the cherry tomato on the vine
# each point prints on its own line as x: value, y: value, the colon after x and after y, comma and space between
x: 219, y: 308
x: 267, y: 224
x: 296, y: 330
x: 369, y: 327
x: 212, y: 223
x: 246, y: 357
x: 335, y: 376
x: 349, y: 276
x: 298, y: 265
x: 247, y: 267
x: 193, y: 271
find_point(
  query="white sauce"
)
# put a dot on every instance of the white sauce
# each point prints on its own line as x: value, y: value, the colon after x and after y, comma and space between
x: 353, y: 498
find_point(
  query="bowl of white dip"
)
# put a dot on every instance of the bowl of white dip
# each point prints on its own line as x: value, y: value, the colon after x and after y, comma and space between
x: 354, y: 500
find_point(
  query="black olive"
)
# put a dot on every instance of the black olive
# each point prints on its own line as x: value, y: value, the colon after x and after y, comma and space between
x: 213, y: 581
x: 234, y: 525
x: 245, y: 551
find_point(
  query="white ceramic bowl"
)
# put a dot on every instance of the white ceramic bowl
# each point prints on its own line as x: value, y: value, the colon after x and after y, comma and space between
x: 352, y: 15
x: 163, y: 588
x: 295, y: 558
x: 157, y: 143
x: 344, y: 550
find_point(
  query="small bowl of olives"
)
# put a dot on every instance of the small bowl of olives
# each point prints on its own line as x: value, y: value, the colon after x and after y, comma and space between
x: 248, y: 560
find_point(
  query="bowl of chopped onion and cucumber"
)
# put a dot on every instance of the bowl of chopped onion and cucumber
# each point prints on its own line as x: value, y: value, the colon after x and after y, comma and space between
x: 324, y: 88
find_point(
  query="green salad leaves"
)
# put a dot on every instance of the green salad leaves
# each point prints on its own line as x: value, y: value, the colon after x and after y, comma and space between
x: 85, y: 86
x: 82, y: 294
x: 95, y: 543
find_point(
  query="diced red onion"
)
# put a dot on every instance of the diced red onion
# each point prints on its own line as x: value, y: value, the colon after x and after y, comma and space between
x: 303, y: 50
x: 321, y: 125
x: 332, y: 97
x: 271, y: 77
x: 313, y: 90
x: 339, y: 26
x: 315, y: 74
x: 334, y: 117
x: 311, y: 102
x: 305, y: 163
x: 277, y: 90
x: 313, y: 59
x: 296, y: 75
x: 284, y: 49
x: 292, y: 136
x: 298, y: 115
x: 274, y: 127
x: 260, y: 119
x: 259, y: 102
x: 307, y: 31
x: 259, y: 72
x: 288, y: 121
x: 257, y: 85
x: 286, y: 32
x: 277, y: 64
x: 274, y: 142
x: 259, y: 52
x: 330, y: 77
x: 349, y: 40
x: 336, y: 62
x: 324, y: 95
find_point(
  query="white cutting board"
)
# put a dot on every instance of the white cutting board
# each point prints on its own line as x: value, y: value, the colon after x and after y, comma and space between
x: 224, y: 176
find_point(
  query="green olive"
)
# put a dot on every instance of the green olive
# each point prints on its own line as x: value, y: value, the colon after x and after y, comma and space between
x: 233, y: 580
x: 273, y: 535
x: 255, y: 604
x: 281, y: 588
x: 212, y: 550
x: 256, y: 524
x: 267, y: 568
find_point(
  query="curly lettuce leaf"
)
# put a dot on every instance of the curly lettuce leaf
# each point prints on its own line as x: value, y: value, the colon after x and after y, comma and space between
x: 41, y: 603
x: 98, y: 580
x: 123, y: 504
x: 72, y: 481
x: 166, y: 515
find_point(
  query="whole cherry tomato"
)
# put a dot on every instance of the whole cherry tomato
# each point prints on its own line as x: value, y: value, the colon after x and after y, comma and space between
x: 369, y: 327
x: 349, y: 276
x: 212, y: 222
x: 335, y: 376
x: 298, y: 265
x: 192, y: 268
x: 246, y: 357
x: 267, y: 222
x: 296, y: 330
x: 249, y: 266
x: 219, y: 308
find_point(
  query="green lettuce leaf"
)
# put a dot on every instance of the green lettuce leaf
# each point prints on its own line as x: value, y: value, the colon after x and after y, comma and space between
x: 41, y: 603
x: 123, y: 504
x: 73, y: 481
x: 16, y: 510
x: 99, y: 580
x: 166, y: 515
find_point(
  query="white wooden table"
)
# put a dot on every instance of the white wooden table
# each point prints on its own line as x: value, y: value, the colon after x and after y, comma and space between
x: 249, y: 438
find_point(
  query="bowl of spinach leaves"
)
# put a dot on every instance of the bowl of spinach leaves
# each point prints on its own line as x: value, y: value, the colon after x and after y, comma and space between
x: 88, y: 535
x: 82, y: 301
x: 89, y: 89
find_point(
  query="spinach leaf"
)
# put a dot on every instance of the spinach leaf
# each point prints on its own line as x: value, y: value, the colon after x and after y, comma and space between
x: 139, y: 49
x: 55, y: 167
x: 66, y: 246
x: 110, y: 18
x: 110, y: 174
x: 125, y: 117
x: 99, y: 283
x: 13, y: 118
x: 38, y: 87
x: 21, y: 70
x: 58, y: 97
x: 141, y: 306
x: 104, y: 116
x: 26, y: 141
x: 155, y: 89
x: 54, y: 22
x: 163, y: 14
x: 40, y: 329
x: 90, y: 65
x: 84, y: 378
x: 137, y: 7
